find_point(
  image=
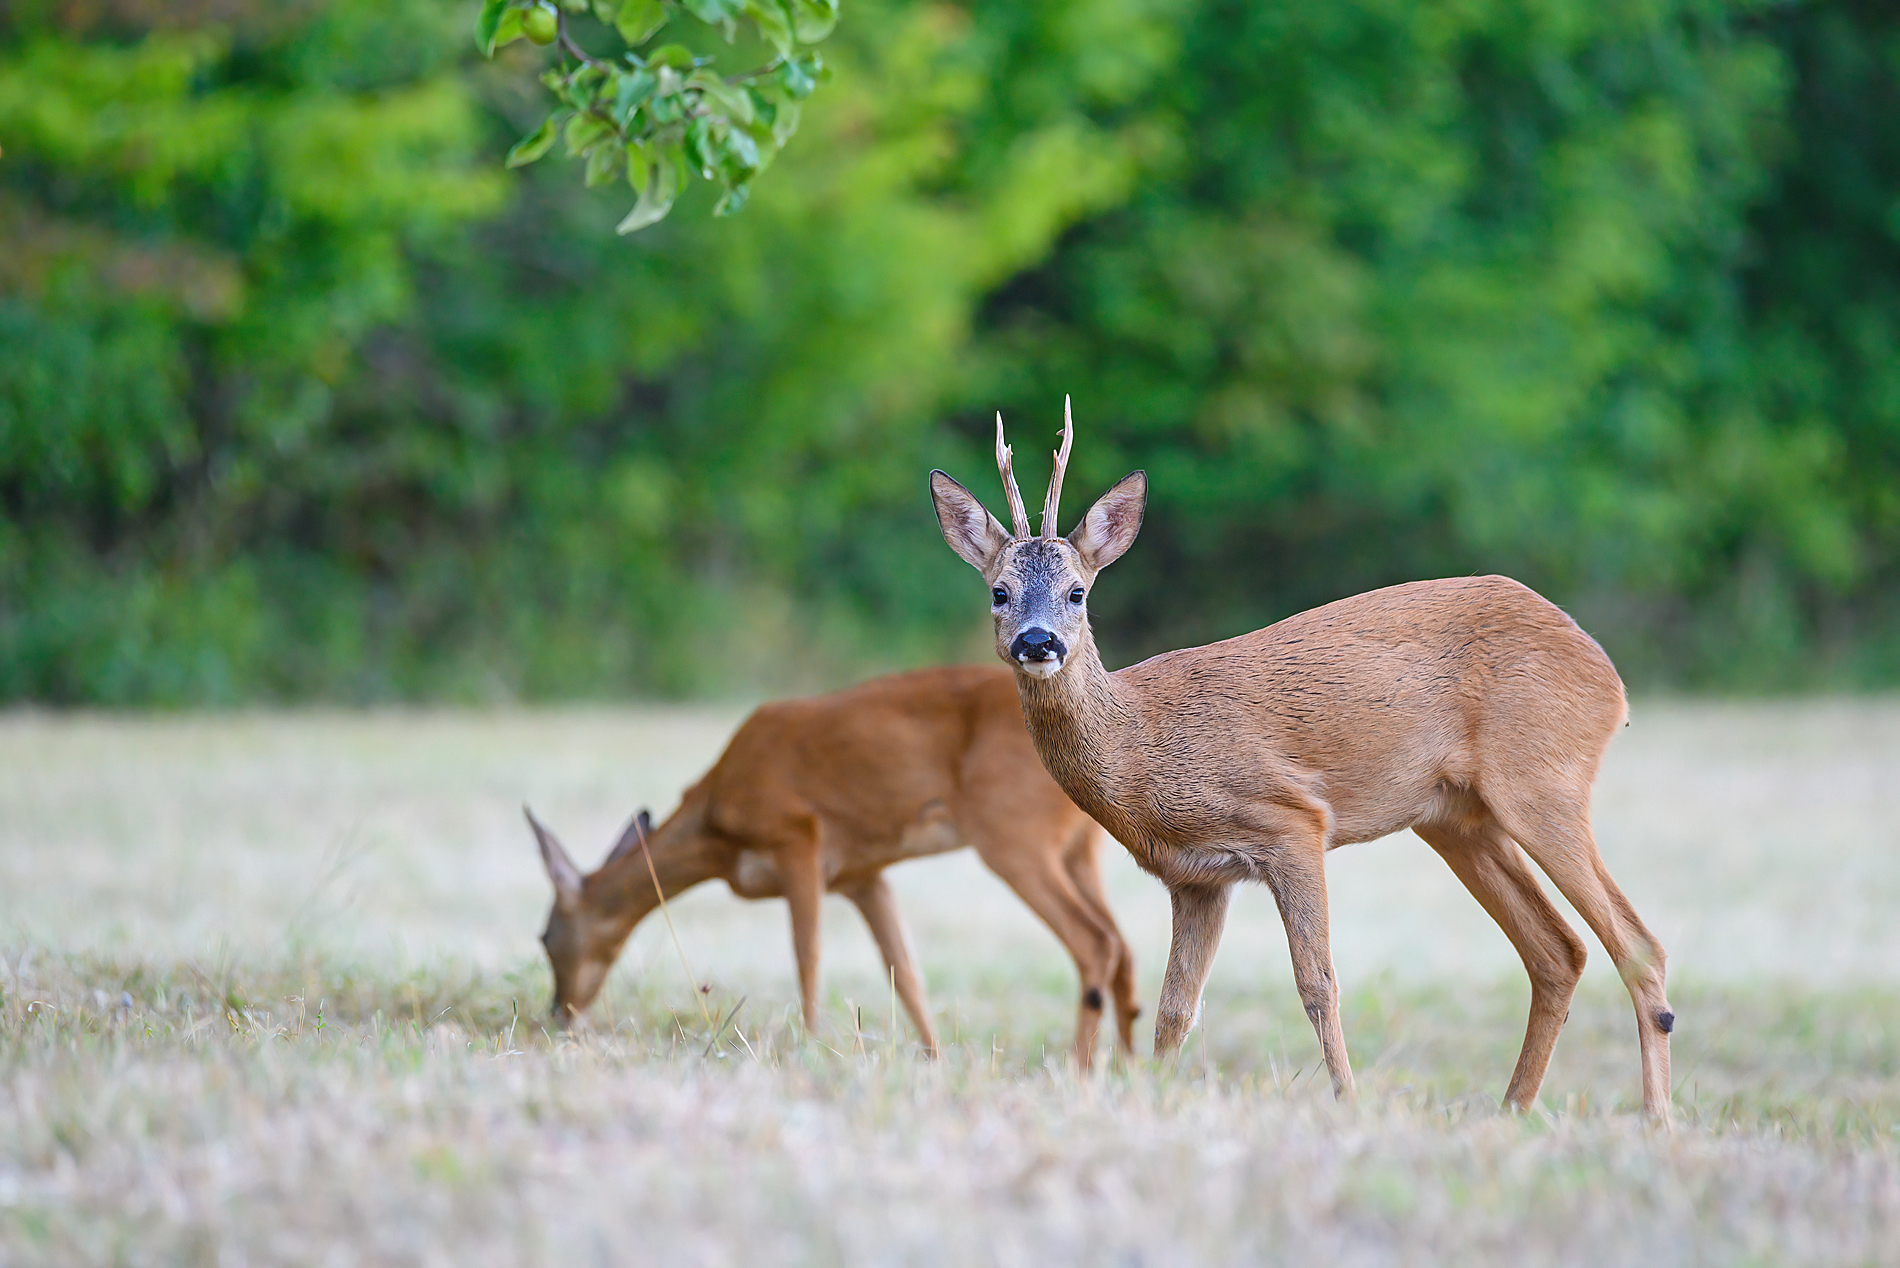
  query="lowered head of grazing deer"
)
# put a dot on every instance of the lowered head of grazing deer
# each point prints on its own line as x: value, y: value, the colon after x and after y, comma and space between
x: 593, y: 915
x: 1039, y: 584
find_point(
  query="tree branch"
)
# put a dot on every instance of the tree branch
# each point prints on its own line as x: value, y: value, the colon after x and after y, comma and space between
x: 567, y: 45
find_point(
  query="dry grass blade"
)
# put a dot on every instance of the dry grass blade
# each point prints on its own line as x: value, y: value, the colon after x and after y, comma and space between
x: 672, y: 930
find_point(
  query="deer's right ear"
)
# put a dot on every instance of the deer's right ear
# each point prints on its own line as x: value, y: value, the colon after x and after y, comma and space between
x: 639, y: 829
x: 561, y: 869
x: 977, y: 536
x: 1111, y: 524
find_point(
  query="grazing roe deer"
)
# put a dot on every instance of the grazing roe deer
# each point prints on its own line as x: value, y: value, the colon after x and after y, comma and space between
x: 1470, y: 710
x: 824, y: 794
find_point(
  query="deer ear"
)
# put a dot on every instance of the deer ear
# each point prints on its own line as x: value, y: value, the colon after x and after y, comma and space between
x: 638, y: 826
x: 1111, y: 524
x: 561, y: 869
x: 977, y: 536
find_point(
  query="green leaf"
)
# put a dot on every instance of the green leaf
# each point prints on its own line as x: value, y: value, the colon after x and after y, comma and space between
x: 800, y: 76
x: 732, y: 200
x: 812, y: 20
x: 660, y: 185
x: 606, y: 11
x: 573, y: 6
x: 764, y: 109
x: 536, y: 143
x: 634, y: 87
x: 638, y: 20
x: 737, y: 156
x: 579, y: 89
x: 785, y: 123
x: 583, y: 130
x: 488, y: 24
x: 509, y: 29
x: 667, y: 105
x: 699, y: 146
x: 728, y: 99
x: 774, y: 23
x: 677, y: 56
x: 713, y: 12
x: 603, y: 162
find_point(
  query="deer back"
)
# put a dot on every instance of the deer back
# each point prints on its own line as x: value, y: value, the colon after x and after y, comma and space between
x: 869, y: 761
x: 1374, y: 708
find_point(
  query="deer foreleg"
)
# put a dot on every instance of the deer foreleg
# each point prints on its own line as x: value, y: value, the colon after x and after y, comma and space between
x: 879, y: 907
x: 802, y: 870
x: 1200, y: 913
x: 1298, y: 881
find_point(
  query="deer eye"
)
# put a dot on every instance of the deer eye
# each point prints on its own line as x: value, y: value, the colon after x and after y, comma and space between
x: 1075, y: 595
x: 999, y: 596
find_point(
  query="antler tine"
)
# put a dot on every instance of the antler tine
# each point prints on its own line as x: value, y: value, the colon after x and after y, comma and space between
x: 1017, y: 511
x: 1051, y: 503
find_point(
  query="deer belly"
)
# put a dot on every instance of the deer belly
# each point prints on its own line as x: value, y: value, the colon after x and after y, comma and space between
x: 933, y: 831
x: 932, y: 834
x: 756, y: 875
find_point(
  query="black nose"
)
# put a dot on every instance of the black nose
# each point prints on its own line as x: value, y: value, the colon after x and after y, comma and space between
x: 1036, y: 643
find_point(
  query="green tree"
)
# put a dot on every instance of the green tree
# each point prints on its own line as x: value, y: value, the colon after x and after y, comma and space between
x: 303, y: 393
x: 1439, y: 290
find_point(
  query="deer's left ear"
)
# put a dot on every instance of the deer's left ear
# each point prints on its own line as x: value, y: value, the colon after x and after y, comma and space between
x: 561, y: 869
x: 1111, y: 524
x: 977, y: 536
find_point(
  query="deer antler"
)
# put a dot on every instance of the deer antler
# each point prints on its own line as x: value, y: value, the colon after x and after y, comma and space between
x: 1017, y: 511
x: 1054, y: 500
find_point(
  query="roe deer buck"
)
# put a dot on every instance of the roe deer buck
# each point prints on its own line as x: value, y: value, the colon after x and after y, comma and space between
x: 1470, y: 710
x: 826, y: 793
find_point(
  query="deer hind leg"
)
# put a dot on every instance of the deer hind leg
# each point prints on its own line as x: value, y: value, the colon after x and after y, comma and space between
x: 1039, y: 878
x: 879, y: 906
x: 1555, y: 831
x: 1083, y: 863
x: 1492, y: 868
x: 1200, y: 913
x: 801, y: 866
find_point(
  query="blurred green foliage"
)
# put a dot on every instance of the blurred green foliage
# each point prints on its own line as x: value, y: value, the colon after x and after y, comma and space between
x: 659, y: 114
x: 303, y: 395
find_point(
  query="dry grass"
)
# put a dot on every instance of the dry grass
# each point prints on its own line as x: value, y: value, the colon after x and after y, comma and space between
x: 270, y: 995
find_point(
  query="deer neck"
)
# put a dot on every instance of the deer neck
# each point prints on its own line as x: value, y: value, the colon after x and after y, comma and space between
x: 1077, y: 721
x: 682, y: 855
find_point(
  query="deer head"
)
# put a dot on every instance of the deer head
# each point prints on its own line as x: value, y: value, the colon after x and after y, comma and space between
x: 584, y: 934
x: 1039, y: 586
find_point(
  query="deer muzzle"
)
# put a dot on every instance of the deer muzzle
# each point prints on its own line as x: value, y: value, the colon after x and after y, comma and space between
x: 1038, y: 651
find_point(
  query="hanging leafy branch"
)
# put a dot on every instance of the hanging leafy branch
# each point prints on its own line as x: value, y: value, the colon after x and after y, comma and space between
x: 659, y: 115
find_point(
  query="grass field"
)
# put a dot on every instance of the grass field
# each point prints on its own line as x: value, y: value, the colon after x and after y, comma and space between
x: 269, y: 993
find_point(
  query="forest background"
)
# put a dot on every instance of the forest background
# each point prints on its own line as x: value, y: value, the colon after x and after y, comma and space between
x: 303, y: 396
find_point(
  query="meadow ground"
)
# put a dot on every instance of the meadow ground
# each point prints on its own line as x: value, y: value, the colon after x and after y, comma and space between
x: 269, y: 993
